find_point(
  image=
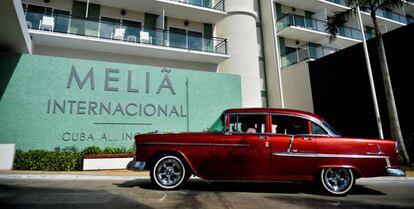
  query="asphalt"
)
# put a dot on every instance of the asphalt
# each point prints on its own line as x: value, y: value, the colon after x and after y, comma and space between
x: 198, y: 193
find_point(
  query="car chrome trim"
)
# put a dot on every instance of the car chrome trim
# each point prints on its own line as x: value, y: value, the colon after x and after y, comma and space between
x: 232, y: 145
x: 289, y: 154
x: 138, y: 165
x: 351, y: 156
x: 285, y: 154
x: 194, y: 144
x: 395, y: 172
x: 292, y: 138
x: 175, y: 144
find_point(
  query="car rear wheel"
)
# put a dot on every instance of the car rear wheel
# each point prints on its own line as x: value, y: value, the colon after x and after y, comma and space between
x: 337, y: 181
x: 168, y: 172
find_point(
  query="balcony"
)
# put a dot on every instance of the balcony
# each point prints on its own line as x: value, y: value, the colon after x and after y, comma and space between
x: 87, y: 34
x: 312, y: 30
x: 205, y: 11
x: 306, y: 52
x: 204, y: 3
x: 389, y: 15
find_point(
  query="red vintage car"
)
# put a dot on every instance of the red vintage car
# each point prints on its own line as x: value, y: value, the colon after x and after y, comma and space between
x: 265, y: 144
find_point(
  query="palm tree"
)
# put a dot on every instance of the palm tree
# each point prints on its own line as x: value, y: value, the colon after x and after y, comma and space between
x: 339, y: 19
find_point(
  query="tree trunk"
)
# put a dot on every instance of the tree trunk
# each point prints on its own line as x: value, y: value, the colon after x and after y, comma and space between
x: 389, y: 94
x: 392, y: 109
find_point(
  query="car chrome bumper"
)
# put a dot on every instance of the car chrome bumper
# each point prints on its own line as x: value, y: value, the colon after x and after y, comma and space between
x: 139, y: 165
x: 395, y: 172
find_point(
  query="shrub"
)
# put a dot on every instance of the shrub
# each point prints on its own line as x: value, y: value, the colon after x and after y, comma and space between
x: 47, y: 160
x: 61, y: 159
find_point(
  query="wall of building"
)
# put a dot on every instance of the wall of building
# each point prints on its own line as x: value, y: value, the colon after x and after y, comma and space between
x: 297, y: 87
x: 239, y: 27
x: 120, y: 58
x: 115, y: 13
x: 48, y: 102
x: 342, y: 94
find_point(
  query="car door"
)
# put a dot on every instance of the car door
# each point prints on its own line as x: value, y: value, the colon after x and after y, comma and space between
x: 293, y: 149
x: 238, y: 154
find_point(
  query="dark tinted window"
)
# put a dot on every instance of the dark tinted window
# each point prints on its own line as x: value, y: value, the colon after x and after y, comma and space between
x: 243, y: 123
x: 282, y: 124
x: 317, y: 129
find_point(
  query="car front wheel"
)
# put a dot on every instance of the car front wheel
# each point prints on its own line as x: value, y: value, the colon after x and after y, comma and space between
x: 337, y: 181
x: 168, y: 172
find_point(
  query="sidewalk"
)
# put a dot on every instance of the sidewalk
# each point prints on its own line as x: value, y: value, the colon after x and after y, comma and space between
x: 75, y: 175
x: 123, y: 175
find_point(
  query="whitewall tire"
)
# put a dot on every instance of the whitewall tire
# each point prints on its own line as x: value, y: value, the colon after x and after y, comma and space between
x: 337, y: 181
x: 168, y: 172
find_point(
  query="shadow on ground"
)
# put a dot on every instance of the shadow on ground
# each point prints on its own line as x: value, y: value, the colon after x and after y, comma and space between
x: 256, y: 187
x: 18, y: 196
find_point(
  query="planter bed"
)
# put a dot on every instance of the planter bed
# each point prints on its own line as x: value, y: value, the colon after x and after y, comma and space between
x: 106, y: 161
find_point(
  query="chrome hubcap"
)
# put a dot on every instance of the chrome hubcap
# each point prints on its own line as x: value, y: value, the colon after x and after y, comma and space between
x: 337, y: 179
x: 169, y: 171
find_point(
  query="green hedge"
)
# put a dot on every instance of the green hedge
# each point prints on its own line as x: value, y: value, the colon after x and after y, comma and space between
x: 61, y: 159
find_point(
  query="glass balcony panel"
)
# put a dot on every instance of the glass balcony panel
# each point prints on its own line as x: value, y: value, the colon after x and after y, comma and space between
x: 131, y: 31
x: 106, y: 29
x: 91, y: 28
x: 178, y: 38
x: 305, y: 52
x: 61, y: 21
x: 204, y: 3
x: 195, y: 40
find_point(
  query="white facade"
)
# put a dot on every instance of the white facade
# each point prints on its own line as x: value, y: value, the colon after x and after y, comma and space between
x: 295, y: 32
x: 260, y: 40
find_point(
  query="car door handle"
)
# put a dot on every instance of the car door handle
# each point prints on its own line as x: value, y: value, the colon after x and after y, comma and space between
x: 307, y: 138
x: 263, y: 137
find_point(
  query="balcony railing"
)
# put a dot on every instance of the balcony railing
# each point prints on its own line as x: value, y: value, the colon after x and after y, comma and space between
x: 389, y: 15
x: 318, y: 25
x: 204, y: 3
x: 382, y: 13
x: 341, y: 2
x: 125, y: 33
x: 306, y: 52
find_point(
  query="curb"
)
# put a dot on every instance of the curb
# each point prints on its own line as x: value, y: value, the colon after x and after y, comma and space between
x: 389, y: 178
x: 68, y: 177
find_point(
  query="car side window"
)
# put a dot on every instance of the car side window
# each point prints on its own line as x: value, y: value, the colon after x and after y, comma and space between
x: 246, y: 123
x: 317, y: 129
x: 283, y: 124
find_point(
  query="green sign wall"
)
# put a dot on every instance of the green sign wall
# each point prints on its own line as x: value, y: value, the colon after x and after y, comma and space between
x: 48, y: 102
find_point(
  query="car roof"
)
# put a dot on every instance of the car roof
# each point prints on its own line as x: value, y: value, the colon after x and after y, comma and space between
x: 275, y: 110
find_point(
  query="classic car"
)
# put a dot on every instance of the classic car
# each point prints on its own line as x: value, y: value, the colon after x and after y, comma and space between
x: 266, y: 144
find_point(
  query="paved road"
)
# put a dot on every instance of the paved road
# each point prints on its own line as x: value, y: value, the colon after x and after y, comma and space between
x: 62, y: 194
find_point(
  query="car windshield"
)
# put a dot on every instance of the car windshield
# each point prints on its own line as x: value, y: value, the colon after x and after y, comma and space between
x: 218, y: 125
x: 331, y: 129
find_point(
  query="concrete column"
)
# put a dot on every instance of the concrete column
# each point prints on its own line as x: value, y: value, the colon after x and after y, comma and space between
x: 272, y: 53
x: 239, y: 28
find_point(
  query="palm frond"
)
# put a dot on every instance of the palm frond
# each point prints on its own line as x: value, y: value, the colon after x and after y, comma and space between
x: 338, y: 20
